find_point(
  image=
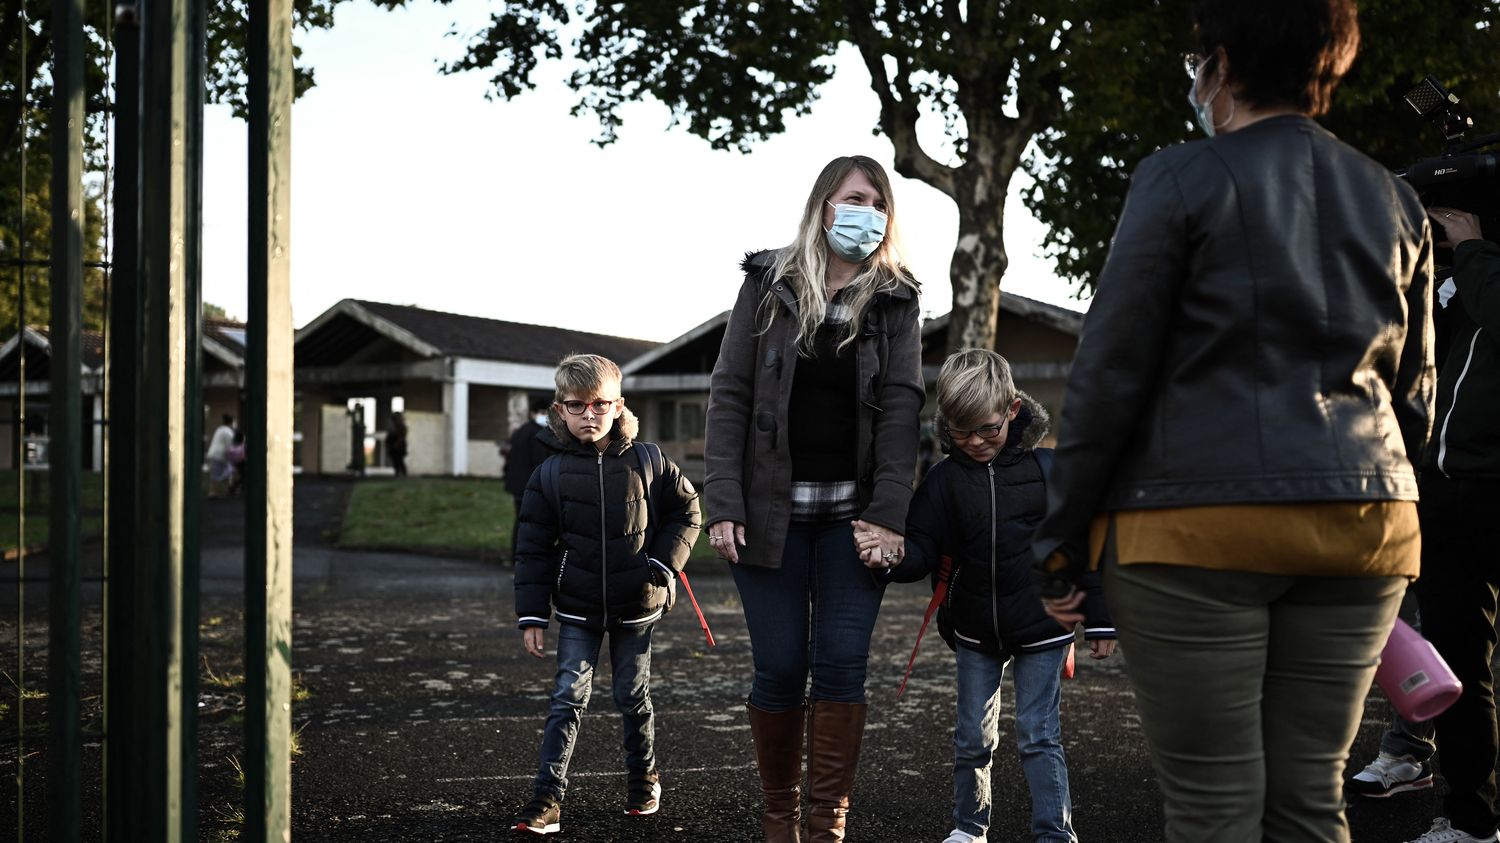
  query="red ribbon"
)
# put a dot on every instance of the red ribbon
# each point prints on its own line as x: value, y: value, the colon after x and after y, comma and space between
x: 702, y: 621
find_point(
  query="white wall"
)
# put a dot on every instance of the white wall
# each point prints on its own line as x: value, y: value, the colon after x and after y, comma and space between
x: 427, y: 443
x: 333, y: 443
x: 484, y: 459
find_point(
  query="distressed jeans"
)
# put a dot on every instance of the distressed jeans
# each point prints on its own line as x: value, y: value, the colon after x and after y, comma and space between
x: 577, y: 653
x: 976, y: 735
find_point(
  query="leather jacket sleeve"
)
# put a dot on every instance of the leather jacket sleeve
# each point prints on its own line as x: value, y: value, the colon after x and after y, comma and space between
x: 1119, y: 354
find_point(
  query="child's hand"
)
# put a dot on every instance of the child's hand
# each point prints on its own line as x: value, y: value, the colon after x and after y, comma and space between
x: 531, y: 636
x: 1102, y: 648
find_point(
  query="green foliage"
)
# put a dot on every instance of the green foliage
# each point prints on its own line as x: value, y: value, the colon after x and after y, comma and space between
x: 1119, y: 112
x: 1089, y: 86
x: 25, y: 116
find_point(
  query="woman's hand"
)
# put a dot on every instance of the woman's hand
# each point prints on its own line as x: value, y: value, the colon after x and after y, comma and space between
x: 878, y: 547
x: 1459, y: 225
x: 726, y: 538
x: 1064, y: 609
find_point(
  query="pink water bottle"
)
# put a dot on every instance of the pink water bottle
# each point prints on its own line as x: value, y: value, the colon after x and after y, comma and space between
x: 1415, y: 678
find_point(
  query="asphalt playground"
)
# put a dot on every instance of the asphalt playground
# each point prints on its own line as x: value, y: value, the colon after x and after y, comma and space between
x: 420, y: 716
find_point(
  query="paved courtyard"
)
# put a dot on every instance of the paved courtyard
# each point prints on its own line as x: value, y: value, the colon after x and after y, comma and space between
x: 421, y: 717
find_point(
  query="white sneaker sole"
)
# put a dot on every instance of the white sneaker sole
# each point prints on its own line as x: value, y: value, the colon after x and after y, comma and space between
x: 550, y: 828
x: 1404, y: 787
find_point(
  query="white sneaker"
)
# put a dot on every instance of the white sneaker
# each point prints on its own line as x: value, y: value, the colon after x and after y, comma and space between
x: 958, y: 836
x: 1391, y: 774
x: 1442, y: 831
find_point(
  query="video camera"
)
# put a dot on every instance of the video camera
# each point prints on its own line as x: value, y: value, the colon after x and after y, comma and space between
x: 1464, y: 176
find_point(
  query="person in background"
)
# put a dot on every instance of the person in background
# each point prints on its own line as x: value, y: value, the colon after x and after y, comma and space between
x: 1250, y: 396
x: 1461, y: 533
x: 220, y: 471
x: 236, y: 455
x: 522, y: 454
x: 396, y: 443
x: 811, y: 423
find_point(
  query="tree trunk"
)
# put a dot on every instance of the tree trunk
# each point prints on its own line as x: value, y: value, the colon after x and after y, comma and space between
x: 979, y: 259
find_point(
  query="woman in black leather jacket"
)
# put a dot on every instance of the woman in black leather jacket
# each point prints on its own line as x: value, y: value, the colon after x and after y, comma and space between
x: 1252, y: 387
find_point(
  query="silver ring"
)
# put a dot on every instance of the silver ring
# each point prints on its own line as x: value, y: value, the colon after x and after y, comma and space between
x: 888, y: 556
x: 714, y: 539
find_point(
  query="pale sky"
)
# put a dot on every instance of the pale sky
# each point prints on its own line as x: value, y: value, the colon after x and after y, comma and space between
x: 410, y: 187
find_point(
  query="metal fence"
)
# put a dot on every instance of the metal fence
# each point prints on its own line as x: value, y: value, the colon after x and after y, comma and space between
x: 146, y: 578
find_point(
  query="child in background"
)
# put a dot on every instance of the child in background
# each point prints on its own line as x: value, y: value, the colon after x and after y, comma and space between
x: 979, y: 507
x: 589, y: 552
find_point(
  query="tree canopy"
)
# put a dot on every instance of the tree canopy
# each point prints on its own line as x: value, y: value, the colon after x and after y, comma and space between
x: 1075, y: 92
x: 26, y: 41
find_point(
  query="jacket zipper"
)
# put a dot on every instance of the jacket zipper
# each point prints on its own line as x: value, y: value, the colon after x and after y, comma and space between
x: 1453, y: 405
x: 560, y: 569
x: 994, y: 560
x: 603, y: 551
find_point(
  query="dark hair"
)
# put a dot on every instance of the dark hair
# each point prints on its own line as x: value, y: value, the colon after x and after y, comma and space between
x: 539, y: 404
x: 229, y: 420
x: 1282, y: 52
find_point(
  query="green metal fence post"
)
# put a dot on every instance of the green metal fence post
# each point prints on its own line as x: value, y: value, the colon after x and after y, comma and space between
x: 125, y: 671
x: 192, y: 441
x: 163, y: 401
x: 65, y: 423
x: 268, y: 376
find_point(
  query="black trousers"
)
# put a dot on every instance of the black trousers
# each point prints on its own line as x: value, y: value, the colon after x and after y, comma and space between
x: 1457, y: 594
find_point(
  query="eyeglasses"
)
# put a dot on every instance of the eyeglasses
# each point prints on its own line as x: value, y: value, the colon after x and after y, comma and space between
x: 599, y: 406
x: 988, y: 433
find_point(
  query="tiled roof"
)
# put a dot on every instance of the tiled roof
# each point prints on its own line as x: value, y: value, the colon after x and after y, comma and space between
x: 492, y: 339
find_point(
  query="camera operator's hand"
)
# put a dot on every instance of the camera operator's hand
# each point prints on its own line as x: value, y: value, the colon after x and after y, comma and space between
x: 1460, y: 225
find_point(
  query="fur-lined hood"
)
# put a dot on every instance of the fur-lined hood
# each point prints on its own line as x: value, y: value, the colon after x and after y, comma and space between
x: 626, y: 427
x: 1027, y: 429
x: 759, y: 265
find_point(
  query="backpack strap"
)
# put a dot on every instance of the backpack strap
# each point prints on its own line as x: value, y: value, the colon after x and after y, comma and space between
x: 551, y: 483
x: 939, y: 593
x: 652, y: 467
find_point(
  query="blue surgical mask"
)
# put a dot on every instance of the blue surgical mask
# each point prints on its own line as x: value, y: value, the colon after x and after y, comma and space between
x: 1205, y: 109
x: 857, y: 231
x: 541, y: 419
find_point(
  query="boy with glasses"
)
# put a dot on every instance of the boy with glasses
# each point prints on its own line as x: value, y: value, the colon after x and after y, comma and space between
x: 978, y: 508
x: 605, y: 525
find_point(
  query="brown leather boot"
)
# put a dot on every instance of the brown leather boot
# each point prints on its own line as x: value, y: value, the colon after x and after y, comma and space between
x: 834, y: 732
x: 778, y: 754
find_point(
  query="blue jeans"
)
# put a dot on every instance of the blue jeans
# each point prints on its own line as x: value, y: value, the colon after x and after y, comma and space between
x: 813, y: 614
x: 976, y: 735
x: 577, y: 653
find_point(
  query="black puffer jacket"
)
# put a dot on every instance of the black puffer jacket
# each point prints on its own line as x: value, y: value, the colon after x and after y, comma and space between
x: 983, y: 515
x: 595, y: 566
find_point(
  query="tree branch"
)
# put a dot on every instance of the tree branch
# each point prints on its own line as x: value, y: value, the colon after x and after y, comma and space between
x: 898, y: 116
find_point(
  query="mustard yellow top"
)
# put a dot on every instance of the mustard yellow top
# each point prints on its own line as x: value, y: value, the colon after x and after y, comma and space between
x: 1333, y: 538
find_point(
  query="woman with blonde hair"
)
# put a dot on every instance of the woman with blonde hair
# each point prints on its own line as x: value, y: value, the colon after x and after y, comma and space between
x: 812, y: 423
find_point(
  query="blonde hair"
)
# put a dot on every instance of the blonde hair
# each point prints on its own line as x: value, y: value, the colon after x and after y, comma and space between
x: 584, y: 375
x: 972, y: 385
x: 804, y: 264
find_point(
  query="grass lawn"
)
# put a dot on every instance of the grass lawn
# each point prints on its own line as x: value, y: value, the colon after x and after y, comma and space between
x: 39, y: 503
x: 440, y: 513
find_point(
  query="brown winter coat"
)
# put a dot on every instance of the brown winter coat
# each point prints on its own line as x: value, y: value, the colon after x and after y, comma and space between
x: 749, y: 467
